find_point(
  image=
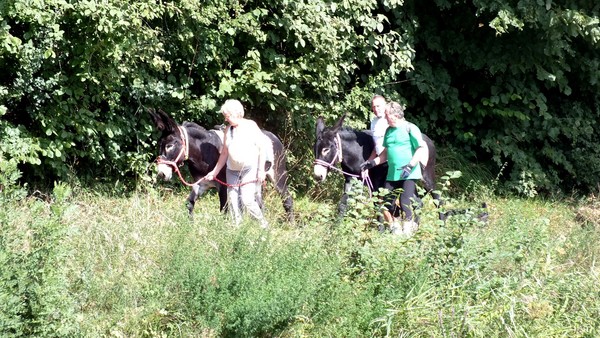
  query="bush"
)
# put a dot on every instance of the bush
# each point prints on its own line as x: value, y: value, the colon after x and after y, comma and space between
x: 138, y: 266
x: 10, y: 190
x: 34, y: 297
x: 245, y: 282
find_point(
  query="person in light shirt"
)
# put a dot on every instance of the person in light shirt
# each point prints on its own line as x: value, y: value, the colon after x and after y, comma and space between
x: 379, y: 123
x: 378, y: 126
x: 244, y: 152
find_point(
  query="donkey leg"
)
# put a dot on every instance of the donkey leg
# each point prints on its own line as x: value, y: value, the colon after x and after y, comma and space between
x: 378, y: 176
x: 259, y: 197
x: 343, y: 205
x: 279, y: 180
x: 288, y: 205
x: 222, y: 192
x: 191, y: 200
x: 429, y: 182
x: 288, y: 201
x: 259, y: 190
x: 197, y: 191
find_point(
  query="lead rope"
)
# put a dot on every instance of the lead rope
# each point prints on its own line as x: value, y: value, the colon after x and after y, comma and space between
x: 366, y: 180
x: 173, y: 164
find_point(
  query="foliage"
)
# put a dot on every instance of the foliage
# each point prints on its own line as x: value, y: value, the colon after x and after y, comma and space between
x: 14, y: 149
x: 10, y: 190
x: 504, y: 82
x: 244, y: 282
x: 33, y: 301
x: 81, y: 263
x: 71, y: 68
x: 513, y: 83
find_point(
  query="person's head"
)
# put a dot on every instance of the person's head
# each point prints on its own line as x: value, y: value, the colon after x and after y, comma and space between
x: 378, y: 105
x: 232, y: 111
x: 394, y: 113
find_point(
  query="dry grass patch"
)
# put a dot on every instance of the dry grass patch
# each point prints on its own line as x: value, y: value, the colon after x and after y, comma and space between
x: 589, y: 213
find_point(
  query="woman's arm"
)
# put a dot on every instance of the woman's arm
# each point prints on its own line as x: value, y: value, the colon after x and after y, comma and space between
x: 382, y: 158
x: 222, y: 159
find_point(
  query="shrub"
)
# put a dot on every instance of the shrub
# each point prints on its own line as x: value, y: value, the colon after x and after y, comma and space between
x: 33, y: 285
x: 10, y: 190
x: 245, y: 282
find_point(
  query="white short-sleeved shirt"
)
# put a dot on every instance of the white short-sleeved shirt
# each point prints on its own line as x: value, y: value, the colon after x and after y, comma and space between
x: 378, y: 126
x: 244, y: 143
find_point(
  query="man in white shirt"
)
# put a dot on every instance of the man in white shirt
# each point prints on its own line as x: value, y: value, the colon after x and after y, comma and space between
x: 378, y: 127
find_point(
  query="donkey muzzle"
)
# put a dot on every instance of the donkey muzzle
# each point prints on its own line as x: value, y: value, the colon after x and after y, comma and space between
x: 164, y: 171
x: 320, y: 172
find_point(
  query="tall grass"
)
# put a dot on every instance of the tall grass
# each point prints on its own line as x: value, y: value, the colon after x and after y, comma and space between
x: 83, y: 263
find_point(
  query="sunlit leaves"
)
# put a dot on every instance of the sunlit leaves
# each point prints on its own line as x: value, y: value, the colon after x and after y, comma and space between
x: 506, y: 20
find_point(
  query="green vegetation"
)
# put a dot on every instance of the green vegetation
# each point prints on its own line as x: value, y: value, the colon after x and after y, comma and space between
x: 501, y: 86
x: 500, y: 81
x: 85, y: 263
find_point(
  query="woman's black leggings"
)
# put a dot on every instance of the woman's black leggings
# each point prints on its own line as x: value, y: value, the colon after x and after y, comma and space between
x: 409, y: 192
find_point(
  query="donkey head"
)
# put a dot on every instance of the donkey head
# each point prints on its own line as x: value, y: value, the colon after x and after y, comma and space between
x: 171, y: 145
x: 327, y: 147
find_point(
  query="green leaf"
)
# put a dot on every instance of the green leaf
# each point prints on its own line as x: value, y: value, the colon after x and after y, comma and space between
x: 49, y: 53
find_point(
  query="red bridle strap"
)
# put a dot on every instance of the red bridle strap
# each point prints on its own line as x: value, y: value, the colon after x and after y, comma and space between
x: 176, y: 168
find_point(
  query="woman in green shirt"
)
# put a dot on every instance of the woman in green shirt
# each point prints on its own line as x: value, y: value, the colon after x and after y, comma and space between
x: 404, y: 150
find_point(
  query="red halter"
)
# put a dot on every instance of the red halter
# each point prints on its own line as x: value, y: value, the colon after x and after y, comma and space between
x: 183, y: 155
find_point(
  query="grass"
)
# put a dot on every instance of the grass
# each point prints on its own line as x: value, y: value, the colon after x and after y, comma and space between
x: 92, y: 265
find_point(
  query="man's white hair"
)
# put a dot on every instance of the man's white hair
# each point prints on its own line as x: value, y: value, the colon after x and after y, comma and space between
x: 233, y: 107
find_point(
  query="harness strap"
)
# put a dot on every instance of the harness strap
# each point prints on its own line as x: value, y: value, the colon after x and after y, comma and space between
x: 366, y: 181
x: 186, y: 143
x: 339, y: 146
x: 184, y: 152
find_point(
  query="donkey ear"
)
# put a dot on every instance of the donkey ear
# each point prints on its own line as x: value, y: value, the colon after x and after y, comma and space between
x: 339, y: 123
x: 169, y: 123
x: 320, y: 125
x: 157, y: 119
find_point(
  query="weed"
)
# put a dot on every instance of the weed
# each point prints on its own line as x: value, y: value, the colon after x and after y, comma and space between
x: 85, y: 263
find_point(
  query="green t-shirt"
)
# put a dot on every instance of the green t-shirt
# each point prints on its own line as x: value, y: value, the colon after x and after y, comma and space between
x: 400, y: 142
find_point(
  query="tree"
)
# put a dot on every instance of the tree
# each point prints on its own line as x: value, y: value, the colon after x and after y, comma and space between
x: 495, y: 79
